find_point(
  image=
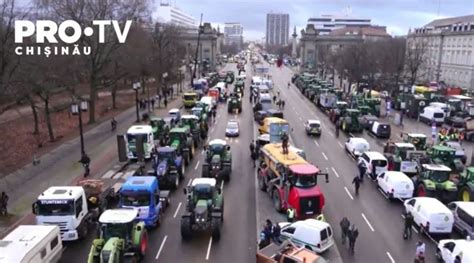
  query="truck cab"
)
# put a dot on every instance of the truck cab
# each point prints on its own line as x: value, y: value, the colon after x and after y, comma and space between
x: 65, y: 207
x: 146, y: 131
x: 143, y: 193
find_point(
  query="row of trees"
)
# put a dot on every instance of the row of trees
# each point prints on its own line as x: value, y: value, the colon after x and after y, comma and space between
x: 382, y: 63
x: 149, y: 52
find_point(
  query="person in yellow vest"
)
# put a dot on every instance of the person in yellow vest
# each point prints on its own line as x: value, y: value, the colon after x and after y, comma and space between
x: 290, y: 214
x: 321, y: 218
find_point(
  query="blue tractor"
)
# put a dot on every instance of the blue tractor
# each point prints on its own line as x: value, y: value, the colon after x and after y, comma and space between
x: 168, y: 167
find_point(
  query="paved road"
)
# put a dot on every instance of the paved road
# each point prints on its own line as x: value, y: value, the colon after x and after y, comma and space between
x: 238, y: 240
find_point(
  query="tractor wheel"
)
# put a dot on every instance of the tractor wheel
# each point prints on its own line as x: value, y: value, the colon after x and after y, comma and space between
x: 277, y: 200
x: 421, y: 190
x: 261, y: 183
x: 226, y: 176
x: 216, y: 229
x: 143, y: 244
x: 182, y: 171
x: 465, y: 194
x: 186, y: 230
x: 192, y: 150
x: 176, y: 181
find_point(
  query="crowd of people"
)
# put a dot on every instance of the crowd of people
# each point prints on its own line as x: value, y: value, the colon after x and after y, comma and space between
x: 450, y: 134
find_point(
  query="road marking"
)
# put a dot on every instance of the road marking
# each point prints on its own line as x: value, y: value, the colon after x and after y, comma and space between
x: 334, y: 170
x: 315, y: 142
x: 325, y: 157
x: 161, y: 247
x: 108, y: 174
x: 197, y: 164
x: 208, y: 138
x: 301, y: 119
x: 177, y: 209
x: 117, y: 175
x: 212, y: 130
x: 368, y: 223
x: 218, y: 115
x: 222, y: 186
x: 390, y: 257
x: 340, y: 144
x: 189, y: 181
x: 209, y: 249
x: 348, y: 193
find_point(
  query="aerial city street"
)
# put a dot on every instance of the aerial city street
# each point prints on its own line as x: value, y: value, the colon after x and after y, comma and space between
x: 142, y: 132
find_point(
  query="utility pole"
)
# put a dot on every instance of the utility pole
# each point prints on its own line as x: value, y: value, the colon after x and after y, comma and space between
x: 197, y: 52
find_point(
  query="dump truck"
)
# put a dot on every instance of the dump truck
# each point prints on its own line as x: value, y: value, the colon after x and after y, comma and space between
x: 290, y: 181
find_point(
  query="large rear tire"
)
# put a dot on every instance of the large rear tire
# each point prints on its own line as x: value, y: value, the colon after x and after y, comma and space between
x: 277, y: 201
x: 466, y: 195
x: 261, y: 183
x: 186, y: 230
x: 176, y: 181
x: 216, y: 229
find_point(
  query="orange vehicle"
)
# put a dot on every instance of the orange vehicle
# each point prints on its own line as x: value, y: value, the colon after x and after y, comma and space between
x: 213, y: 92
x: 291, y: 181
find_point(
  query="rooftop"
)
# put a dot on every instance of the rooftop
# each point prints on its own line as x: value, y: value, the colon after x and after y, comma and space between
x: 118, y: 216
x: 377, y: 31
x: 451, y: 21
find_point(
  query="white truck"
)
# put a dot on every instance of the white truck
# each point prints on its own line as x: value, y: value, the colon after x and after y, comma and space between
x: 25, y: 244
x: 74, y: 209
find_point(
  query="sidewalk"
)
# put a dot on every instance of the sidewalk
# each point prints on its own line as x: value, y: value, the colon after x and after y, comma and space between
x: 61, y: 166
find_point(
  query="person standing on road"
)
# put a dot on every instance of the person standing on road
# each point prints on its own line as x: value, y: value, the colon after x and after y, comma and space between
x: 352, y: 234
x: 282, y: 104
x: 407, y: 232
x: 345, y: 224
x: 356, y: 182
x: 420, y: 252
x: 290, y: 214
x: 166, y: 102
x: 4, y: 204
x: 276, y: 233
x: 251, y: 97
x: 274, y: 99
x: 289, y: 85
x: 362, y: 170
x: 153, y: 103
x: 85, y: 161
x: 338, y: 125
x: 214, y: 114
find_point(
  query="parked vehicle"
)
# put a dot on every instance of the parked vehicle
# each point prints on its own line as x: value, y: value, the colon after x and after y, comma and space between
x: 275, y: 113
x: 356, y: 146
x: 190, y: 99
x: 395, y: 185
x: 217, y: 160
x: 181, y: 139
x: 211, y: 103
x: 455, y: 250
x: 287, y: 252
x: 204, y: 208
x: 144, y: 131
x: 120, y: 235
x: 381, y: 130
x: 430, y: 215
x: 143, y: 193
x: 403, y: 157
x: 430, y: 114
x: 32, y: 243
x: 310, y: 233
x: 71, y: 207
x: 434, y: 181
x: 463, y: 217
x: 175, y: 114
x: 374, y: 162
x: 459, y: 151
x: 232, y: 129
x: 169, y: 167
x: 367, y: 120
x: 312, y: 127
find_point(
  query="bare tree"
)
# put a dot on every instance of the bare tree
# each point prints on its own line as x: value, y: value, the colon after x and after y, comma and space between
x: 86, y: 11
x: 416, y: 54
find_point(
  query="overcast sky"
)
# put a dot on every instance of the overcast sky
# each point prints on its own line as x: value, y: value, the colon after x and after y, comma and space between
x: 397, y: 15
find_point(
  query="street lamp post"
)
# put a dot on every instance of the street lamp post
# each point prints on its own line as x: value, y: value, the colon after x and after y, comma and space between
x: 77, y: 108
x: 136, y: 87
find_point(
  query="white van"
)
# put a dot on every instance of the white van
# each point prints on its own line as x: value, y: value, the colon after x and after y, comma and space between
x: 430, y: 215
x: 310, y: 233
x: 32, y: 243
x: 257, y: 81
x: 148, y: 140
x: 374, y: 162
x: 210, y: 101
x: 445, y: 107
x: 430, y: 113
x: 455, y: 250
x: 463, y: 213
x: 395, y: 185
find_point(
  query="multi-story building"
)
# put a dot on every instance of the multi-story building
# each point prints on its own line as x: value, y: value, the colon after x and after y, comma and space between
x: 447, y: 46
x: 167, y: 13
x: 326, y: 23
x: 278, y: 29
x: 233, y: 34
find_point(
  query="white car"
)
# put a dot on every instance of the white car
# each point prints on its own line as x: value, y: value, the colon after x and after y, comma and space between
x: 317, y: 235
x: 312, y: 127
x: 430, y: 215
x: 395, y: 185
x: 356, y: 146
x: 374, y: 162
x: 450, y: 249
x: 232, y: 129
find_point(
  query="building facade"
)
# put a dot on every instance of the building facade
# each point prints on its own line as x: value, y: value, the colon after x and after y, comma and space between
x: 278, y: 29
x: 325, y: 24
x: 233, y: 34
x: 448, y: 48
x: 167, y: 13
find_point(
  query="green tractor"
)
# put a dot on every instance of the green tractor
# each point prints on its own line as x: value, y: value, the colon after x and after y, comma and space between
x: 230, y: 77
x: 192, y: 123
x: 374, y: 105
x: 434, y: 181
x: 181, y: 139
x: 239, y: 88
x: 160, y: 129
x: 202, y: 116
x: 466, y: 185
x: 417, y: 139
x: 445, y: 155
x: 350, y: 121
x: 119, y: 234
x: 234, y: 103
x: 218, y: 160
x: 364, y: 110
x: 204, y: 209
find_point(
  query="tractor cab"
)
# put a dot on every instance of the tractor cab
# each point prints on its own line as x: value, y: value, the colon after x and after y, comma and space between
x: 441, y: 154
x: 434, y: 181
x: 350, y: 121
x: 167, y: 154
x: 216, y: 147
x: 417, y: 139
x: 117, y: 223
